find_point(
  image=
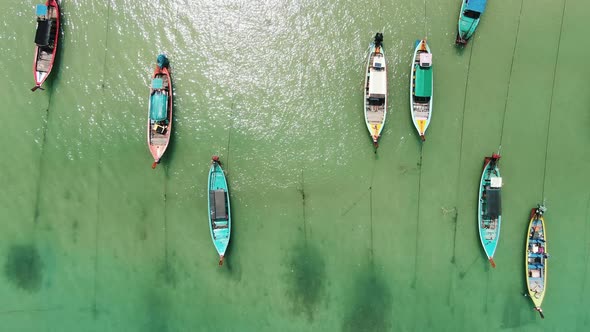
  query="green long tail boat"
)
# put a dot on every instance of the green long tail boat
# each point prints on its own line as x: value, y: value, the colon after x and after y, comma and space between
x: 219, y: 208
x: 421, y: 87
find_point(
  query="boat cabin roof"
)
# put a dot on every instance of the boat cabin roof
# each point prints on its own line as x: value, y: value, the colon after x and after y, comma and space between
x: 476, y: 5
x: 218, y: 204
x: 425, y: 60
x: 496, y: 182
x: 423, y: 86
x: 378, y: 62
x: 494, y: 202
x: 377, y: 83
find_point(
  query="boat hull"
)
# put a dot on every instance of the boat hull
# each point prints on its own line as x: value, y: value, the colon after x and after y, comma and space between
x: 536, y: 259
x: 45, y: 56
x: 219, y: 209
x: 489, y: 208
x: 375, y: 91
x: 420, y: 106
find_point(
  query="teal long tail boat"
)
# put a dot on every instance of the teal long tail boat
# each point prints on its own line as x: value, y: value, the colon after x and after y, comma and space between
x: 219, y: 208
x: 536, y: 258
x: 421, y: 87
x: 489, y: 212
x: 471, y: 11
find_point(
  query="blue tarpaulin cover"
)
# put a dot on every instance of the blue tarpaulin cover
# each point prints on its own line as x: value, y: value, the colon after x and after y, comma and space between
x: 41, y: 10
x: 159, y: 106
x: 476, y: 5
x: 157, y: 83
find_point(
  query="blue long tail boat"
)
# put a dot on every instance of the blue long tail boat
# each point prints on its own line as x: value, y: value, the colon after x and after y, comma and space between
x: 536, y: 258
x: 471, y: 11
x: 489, y: 212
x: 219, y: 208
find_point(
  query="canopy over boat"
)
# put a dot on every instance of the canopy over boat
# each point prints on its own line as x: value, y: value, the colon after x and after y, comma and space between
x: 423, y: 82
x: 218, y: 204
x: 43, y: 34
x: 476, y: 5
x: 159, y: 101
x: 494, y: 201
x: 378, y: 78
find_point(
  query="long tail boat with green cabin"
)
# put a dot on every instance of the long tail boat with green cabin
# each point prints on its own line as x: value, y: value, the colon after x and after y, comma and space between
x: 489, y: 210
x: 421, y: 86
x: 536, y: 258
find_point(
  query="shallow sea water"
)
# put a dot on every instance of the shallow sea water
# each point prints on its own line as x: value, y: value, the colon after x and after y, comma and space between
x: 327, y: 235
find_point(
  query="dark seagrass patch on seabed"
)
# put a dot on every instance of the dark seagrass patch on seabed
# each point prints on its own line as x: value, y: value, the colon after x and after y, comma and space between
x: 370, y: 309
x: 156, y: 312
x: 23, y: 267
x: 306, y: 275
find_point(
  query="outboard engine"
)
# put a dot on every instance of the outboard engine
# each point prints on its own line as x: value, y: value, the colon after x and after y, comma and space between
x: 378, y: 39
x: 162, y: 61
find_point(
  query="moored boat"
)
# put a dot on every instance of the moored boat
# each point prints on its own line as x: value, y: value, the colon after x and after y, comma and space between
x: 489, y: 211
x: 375, y: 101
x: 159, y: 126
x: 219, y: 208
x: 536, y: 258
x: 421, y: 86
x: 46, y: 41
x: 471, y: 11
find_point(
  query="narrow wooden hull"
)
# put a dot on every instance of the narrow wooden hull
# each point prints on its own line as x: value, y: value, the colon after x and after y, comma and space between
x: 375, y: 91
x: 219, y: 208
x: 45, y: 54
x: 420, y: 103
x: 489, y: 214
x: 536, y: 258
x: 159, y: 130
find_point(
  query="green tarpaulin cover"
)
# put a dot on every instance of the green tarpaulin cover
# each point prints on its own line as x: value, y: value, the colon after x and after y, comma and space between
x: 423, y: 82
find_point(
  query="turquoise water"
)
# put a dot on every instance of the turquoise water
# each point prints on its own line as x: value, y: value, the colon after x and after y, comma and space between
x: 327, y: 235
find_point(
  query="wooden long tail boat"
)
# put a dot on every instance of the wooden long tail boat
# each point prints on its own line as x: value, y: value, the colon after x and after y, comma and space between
x: 46, y: 41
x: 489, y: 211
x: 421, y: 84
x: 375, y: 101
x: 219, y: 208
x: 536, y: 258
x: 471, y: 11
x: 159, y: 126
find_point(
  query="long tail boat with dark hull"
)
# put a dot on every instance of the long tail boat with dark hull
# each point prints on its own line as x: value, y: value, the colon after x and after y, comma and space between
x: 46, y: 41
x: 471, y: 11
x: 536, y: 258
x: 489, y: 211
x: 219, y: 208
x: 421, y: 84
x: 375, y: 89
x: 159, y: 126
